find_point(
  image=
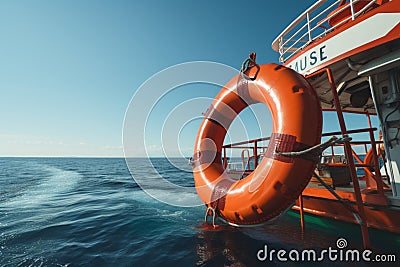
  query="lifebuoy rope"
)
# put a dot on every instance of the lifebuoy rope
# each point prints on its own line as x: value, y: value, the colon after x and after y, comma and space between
x: 313, y: 153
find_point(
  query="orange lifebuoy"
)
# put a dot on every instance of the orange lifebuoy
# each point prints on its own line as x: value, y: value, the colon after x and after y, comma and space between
x: 278, y: 180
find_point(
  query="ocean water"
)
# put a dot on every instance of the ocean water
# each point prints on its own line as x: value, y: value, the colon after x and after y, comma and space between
x: 90, y: 212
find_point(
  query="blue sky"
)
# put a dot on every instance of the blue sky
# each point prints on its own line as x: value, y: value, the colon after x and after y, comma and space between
x: 69, y: 68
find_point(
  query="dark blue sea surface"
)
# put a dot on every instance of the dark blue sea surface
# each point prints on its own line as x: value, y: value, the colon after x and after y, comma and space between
x: 90, y: 212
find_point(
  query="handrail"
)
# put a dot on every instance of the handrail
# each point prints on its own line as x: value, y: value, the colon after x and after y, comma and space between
x: 295, y: 22
x: 351, y: 131
x: 308, y: 27
x: 247, y: 142
x: 238, y: 144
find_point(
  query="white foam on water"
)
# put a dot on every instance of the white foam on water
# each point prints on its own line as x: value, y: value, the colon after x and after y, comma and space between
x: 179, y: 198
x: 58, y: 182
x: 158, y: 209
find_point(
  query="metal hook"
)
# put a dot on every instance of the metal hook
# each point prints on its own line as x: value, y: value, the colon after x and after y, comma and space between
x: 213, y: 215
x: 249, y: 63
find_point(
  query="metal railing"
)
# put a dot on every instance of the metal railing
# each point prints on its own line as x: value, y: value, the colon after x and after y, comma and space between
x: 245, y: 146
x: 249, y: 163
x: 316, y: 22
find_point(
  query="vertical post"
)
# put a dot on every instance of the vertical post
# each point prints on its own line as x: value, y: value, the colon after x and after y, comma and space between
x: 225, y: 159
x: 378, y: 176
x: 301, y: 213
x: 369, y: 120
x: 255, y: 148
x: 350, y: 161
x: 309, y: 27
x: 352, y: 9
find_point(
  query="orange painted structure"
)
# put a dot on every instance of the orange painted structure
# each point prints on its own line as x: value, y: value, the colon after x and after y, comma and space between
x: 348, y: 51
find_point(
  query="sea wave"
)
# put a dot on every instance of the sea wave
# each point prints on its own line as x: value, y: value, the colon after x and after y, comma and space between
x: 57, y: 182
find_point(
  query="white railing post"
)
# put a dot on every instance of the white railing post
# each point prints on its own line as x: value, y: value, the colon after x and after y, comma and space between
x: 309, y: 27
x: 303, y: 30
x: 352, y: 9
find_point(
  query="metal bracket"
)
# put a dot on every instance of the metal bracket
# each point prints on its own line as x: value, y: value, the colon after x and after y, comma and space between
x: 213, y: 214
